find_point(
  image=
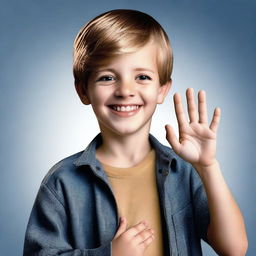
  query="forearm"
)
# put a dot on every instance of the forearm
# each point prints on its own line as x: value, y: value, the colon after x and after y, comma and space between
x: 226, y: 232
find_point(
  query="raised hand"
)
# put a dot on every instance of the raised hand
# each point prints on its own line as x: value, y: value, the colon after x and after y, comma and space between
x: 197, y: 140
x: 132, y: 242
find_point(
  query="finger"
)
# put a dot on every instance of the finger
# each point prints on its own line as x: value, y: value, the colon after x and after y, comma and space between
x: 133, y: 231
x: 122, y: 227
x: 215, y: 120
x: 172, y: 139
x: 192, y: 110
x: 181, y: 118
x: 147, y: 242
x: 143, y: 235
x: 202, y: 107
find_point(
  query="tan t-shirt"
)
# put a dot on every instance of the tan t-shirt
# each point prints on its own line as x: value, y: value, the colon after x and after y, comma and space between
x: 135, y: 190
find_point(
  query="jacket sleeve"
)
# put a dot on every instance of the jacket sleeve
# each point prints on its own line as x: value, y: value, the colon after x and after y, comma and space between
x: 48, y: 233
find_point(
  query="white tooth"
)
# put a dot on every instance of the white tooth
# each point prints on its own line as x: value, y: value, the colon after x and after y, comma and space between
x: 125, y: 109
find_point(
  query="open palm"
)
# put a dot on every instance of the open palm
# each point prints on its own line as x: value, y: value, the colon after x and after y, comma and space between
x: 197, y: 140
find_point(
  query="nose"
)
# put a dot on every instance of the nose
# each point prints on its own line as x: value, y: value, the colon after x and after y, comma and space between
x: 125, y: 89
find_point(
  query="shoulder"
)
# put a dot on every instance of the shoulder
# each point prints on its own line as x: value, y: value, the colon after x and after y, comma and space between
x: 63, y: 172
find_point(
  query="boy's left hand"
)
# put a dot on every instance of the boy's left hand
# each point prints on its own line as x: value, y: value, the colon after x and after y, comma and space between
x: 226, y: 232
x: 197, y: 140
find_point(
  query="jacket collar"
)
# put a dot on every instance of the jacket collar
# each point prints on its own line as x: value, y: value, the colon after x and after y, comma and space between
x: 165, y: 155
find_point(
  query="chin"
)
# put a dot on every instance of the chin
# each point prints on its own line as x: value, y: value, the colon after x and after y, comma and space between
x: 125, y: 129
x: 126, y: 132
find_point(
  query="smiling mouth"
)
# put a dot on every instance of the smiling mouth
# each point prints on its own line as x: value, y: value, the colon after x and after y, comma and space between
x: 124, y: 108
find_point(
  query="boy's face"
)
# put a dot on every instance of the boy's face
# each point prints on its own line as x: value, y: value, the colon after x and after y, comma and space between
x: 124, y: 94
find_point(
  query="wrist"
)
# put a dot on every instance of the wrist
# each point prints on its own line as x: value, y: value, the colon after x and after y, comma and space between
x: 205, y: 169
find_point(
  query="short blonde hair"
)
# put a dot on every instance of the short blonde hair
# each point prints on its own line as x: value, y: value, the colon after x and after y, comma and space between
x: 118, y: 32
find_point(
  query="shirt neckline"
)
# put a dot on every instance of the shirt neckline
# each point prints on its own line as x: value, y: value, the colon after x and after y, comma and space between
x: 120, y: 172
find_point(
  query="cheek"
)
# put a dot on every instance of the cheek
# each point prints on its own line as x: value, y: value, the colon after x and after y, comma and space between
x: 99, y: 96
x: 151, y: 96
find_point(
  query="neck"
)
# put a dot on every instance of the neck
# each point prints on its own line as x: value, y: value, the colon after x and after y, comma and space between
x: 123, y: 151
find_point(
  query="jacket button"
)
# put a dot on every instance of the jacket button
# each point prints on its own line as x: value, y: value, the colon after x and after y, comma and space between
x: 165, y: 172
x: 97, y: 168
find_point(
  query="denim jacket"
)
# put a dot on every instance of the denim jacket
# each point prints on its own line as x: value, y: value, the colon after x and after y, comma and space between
x: 75, y: 211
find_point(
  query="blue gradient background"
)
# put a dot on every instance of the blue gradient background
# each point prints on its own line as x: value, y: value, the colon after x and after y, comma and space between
x: 43, y: 121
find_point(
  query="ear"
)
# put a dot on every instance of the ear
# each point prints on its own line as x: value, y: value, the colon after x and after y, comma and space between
x: 163, y: 91
x: 82, y: 93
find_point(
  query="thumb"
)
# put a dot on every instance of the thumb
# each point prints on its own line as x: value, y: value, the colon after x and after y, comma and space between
x: 172, y: 139
x: 122, y: 227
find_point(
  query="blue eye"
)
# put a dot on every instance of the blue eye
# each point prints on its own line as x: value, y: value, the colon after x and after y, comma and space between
x: 105, y: 78
x: 144, y: 77
x: 110, y: 78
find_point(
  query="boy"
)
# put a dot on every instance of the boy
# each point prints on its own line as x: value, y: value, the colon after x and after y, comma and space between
x: 126, y: 194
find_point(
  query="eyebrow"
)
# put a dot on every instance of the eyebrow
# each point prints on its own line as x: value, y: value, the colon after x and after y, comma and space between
x: 135, y: 69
